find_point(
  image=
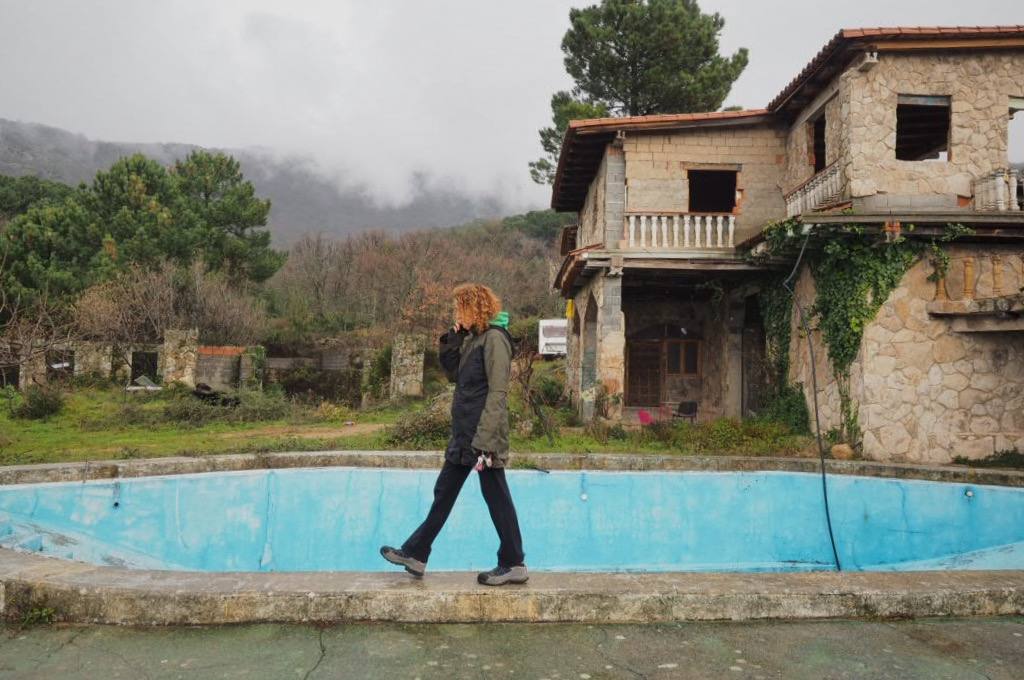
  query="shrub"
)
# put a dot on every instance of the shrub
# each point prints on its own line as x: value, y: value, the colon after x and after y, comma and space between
x: 525, y: 331
x: 427, y: 428
x: 314, y: 385
x: 330, y: 412
x: 39, y: 402
x: 378, y: 379
x: 789, y: 406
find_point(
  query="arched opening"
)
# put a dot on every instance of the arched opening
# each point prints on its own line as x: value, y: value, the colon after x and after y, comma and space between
x: 589, y: 368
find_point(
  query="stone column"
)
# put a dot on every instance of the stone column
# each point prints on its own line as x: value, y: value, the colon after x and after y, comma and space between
x: 406, y: 367
x: 181, y: 356
x: 732, y: 395
x: 611, y: 344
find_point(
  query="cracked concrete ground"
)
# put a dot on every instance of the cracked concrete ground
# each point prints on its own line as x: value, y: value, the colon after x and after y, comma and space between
x: 934, y: 649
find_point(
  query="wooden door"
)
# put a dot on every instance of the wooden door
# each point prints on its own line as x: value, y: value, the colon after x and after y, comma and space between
x: 643, y: 374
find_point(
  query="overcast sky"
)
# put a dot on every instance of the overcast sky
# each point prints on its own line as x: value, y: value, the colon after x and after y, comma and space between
x: 373, y: 89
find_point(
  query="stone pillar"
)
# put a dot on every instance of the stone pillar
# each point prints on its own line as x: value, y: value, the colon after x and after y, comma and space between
x: 406, y: 367
x: 615, y: 196
x: 611, y: 345
x: 181, y: 356
x: 732, y: 395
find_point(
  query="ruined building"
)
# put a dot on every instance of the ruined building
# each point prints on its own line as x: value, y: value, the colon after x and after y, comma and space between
x: 903, y: 131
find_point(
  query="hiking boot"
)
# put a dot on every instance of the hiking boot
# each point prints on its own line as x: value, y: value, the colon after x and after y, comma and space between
x: 397, y: 556
x: 499, y: 576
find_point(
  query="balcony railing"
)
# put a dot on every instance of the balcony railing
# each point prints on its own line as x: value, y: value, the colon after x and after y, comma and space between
x: 674, y: 231
x: 998, y: 190
x: 825, y: 188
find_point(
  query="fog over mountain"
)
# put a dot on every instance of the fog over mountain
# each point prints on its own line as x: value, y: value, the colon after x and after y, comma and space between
x: 304, y: 196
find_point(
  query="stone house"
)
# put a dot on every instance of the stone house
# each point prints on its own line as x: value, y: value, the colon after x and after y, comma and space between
x: 883, y: 128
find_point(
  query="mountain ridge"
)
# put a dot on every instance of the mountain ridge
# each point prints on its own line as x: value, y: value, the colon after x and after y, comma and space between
x: 304, y: 199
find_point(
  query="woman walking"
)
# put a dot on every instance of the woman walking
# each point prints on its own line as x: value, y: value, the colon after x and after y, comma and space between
x: 476, y: 354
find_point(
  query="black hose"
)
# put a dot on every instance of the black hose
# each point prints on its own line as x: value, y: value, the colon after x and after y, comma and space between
x: 814, y: 390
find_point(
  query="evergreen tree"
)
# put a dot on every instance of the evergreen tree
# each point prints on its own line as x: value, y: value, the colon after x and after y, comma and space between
x: 641, y: 57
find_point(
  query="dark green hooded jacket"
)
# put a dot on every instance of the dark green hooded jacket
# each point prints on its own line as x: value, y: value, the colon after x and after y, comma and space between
x: 479, y: 365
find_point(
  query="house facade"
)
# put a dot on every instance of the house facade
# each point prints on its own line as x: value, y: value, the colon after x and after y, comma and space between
x: 884, y: 128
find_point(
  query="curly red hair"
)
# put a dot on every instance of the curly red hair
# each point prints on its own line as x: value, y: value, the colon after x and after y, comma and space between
x: 475, y: 306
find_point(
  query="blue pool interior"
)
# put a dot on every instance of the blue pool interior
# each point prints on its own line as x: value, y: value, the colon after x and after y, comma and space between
x: 329, y: 519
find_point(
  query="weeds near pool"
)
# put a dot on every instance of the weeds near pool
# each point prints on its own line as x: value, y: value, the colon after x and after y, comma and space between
x: 1007, y: 458
x: 38, y: 616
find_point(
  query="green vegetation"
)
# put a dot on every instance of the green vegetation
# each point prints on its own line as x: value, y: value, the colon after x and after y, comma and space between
x: 135, y: 213
x: 1007, y: 458
x: 854, y: 272
x: 630, y: 58
x: 38, y: 402
x: 18, y: 194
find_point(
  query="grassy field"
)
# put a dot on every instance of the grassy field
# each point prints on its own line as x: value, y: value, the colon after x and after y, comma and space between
x: 99, y: 423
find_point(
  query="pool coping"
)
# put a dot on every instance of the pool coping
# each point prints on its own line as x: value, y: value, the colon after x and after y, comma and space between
x: 176, y: 465
x: 85, y: 593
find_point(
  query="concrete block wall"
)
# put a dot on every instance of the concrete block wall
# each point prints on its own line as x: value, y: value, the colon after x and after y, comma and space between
x: 656, y: 168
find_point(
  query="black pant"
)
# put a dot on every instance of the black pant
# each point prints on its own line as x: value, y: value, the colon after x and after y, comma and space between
x: 499, y: 503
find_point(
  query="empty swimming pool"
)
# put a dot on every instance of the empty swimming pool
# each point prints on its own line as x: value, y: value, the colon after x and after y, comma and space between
x: 328, y: 519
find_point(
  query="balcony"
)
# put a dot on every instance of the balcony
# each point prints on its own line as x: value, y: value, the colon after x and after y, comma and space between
x: 999, y: 191
x: 823, y: 189
x: 677, y: 231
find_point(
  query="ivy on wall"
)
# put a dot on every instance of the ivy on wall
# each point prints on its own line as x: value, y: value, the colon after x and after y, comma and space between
x: 854, y: 271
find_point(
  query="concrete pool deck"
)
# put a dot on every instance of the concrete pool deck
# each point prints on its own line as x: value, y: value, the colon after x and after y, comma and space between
x: 79, y: 592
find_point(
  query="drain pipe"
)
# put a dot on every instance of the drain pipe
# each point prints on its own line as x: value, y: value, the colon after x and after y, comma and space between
x: 814, y: 390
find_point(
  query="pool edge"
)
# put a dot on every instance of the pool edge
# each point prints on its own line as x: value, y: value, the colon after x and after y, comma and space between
x: 82, y: 593
x: 114, y: 469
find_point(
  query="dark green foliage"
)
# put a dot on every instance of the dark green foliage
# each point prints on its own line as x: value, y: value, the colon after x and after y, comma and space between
x: 564, y: 107
x: 789, y: 407
x: 184, y: 408
x: 226, y: 205
x: 18, y: 194
x: 545, y: 225
x: 777, y: 312
x: 39, y: 402
x: 633, y: 58
x: 378, y: 379
x: 654, y: 56
x: 426, y: 428
x: 524, y: 332
x: 1007, y: 458
x: 314, y: 385
x: 138, y: 212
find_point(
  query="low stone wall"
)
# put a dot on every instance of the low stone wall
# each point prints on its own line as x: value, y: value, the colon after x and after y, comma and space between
x: 406, y: 367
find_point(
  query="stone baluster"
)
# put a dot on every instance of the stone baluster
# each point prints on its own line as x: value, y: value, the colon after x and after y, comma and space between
x: 675, y: 231
x: 686, y: 230
x: 707, y: 231
x: 632, y: 231
x: 968, y: 278
x: 664, y: 231
x: 732, y: 231
x: 719, y: 223
x: 1014, y: 178
x: 1000, y: 187
x: 643, y: 231
x: 696, y: 231
x: 941, y: 295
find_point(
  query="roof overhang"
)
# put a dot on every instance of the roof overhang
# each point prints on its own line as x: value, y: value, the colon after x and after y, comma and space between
x: 585, y: 141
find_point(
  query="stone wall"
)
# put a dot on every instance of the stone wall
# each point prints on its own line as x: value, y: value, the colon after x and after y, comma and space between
x: 602, y: 294
x: 591, y: 217
x: 180, y: 356
x: 657, y: 164
x: 925, y: 393
x: 406, y: 367
x: 93, y: 358
x: 860, y: 110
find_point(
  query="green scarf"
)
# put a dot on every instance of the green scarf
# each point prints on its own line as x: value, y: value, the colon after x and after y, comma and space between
x: 500, y: 320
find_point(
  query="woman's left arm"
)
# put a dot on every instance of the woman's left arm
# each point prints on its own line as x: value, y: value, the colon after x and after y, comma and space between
x: 492, y: 430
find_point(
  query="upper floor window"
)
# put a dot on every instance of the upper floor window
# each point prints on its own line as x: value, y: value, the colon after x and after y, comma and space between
x: 818, y: 151
x: 922, y: 127
x: 712, y: 191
